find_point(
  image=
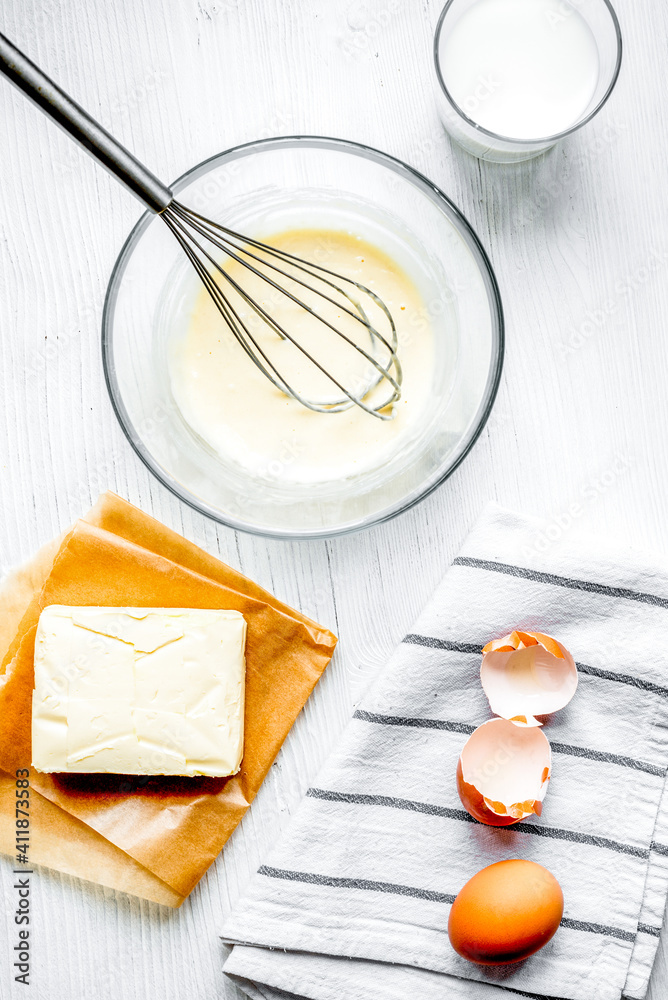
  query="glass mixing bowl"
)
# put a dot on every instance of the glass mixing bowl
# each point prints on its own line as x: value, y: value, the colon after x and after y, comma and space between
x: 306, y: 182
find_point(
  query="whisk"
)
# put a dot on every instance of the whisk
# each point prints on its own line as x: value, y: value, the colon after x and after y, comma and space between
x: 338, y: 306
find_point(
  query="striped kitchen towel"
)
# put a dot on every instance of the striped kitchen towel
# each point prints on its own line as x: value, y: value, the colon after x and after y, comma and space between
x: 354, y: 903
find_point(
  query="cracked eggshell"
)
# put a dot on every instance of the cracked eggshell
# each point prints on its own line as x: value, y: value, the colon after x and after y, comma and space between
x: 503, y: 772
x: 526, y: 674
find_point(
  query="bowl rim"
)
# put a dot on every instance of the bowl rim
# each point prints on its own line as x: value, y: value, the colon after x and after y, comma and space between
x: 466, y: 231
x: 539, y: 140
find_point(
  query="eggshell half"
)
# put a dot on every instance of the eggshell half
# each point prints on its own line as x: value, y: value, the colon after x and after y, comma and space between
x: 505, y: 913
x: 526, y: 674
x: 503, y: 772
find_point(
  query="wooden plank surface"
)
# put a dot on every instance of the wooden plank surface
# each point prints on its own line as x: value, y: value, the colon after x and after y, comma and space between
x: 579, y: 240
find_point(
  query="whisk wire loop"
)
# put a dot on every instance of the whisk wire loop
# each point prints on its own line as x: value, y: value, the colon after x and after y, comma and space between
x: 187, y: 225
x: 241, y: 331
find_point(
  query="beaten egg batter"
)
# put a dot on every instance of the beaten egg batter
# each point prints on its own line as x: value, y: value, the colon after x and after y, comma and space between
x: 246, y: 420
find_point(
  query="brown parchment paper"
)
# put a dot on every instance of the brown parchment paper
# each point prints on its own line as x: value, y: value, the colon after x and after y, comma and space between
x: 152, y: 837
x: 60, y: 841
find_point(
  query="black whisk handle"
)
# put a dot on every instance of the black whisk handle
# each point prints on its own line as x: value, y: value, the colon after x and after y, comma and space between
x: 71, y: 117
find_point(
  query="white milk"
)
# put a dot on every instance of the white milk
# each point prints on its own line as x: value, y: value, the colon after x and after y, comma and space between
x: 524, y: 69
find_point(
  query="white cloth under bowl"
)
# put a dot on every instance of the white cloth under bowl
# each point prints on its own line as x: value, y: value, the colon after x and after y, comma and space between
x: 354, y: 902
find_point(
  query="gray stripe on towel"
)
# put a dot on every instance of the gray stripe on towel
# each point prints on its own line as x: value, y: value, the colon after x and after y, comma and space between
x: 430, y: 642
x: 311, y: 878
x: 648, y: 929
x: 561, y: 581
x: 461, y: 815
x: 581, y: 925
x: 356, y: 883
x: 461, y: 727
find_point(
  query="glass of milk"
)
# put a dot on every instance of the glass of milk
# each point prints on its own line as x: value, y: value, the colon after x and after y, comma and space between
x: 515, y: 76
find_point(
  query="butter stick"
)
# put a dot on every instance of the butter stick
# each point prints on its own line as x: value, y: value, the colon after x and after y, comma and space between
x: 139, y: 691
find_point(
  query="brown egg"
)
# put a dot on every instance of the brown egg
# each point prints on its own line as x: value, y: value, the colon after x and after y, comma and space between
x: 505, y: 913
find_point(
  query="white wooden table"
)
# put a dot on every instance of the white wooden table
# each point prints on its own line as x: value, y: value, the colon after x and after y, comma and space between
x: 579, y: 241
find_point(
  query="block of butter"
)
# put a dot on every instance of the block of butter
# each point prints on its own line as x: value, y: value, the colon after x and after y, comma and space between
x: 139, y: 691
